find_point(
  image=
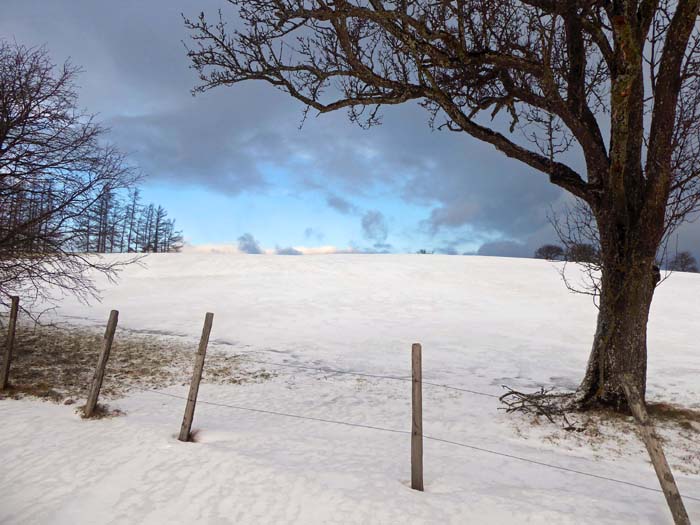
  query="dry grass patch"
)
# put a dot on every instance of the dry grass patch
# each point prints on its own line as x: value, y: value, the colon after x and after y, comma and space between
x: 609, y: 433
x: 670, y: 413
x: 101, y: 412
x: 58, y: 363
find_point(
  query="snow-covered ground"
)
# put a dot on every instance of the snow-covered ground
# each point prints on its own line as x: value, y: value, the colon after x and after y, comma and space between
x: 483, y: 322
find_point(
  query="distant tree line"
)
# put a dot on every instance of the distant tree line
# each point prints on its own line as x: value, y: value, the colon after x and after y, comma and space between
x: 39, y: 213
x: 113, y: 222
x: 120, y: 223
x: 587, y: 253
x: 683, y: 262
x: 575, y: 252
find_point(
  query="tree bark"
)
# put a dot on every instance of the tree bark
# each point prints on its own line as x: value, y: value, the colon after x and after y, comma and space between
x: 620, y: 344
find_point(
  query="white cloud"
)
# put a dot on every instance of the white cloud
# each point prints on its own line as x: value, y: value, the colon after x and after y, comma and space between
x: 323, y: 250
x: 233, y: 249
x: 210, y: 248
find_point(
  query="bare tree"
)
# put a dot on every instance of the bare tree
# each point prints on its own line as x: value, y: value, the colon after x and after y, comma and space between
x: 551, y: 252
x: 582, y: 253
x: 172, y: 238
x: 132, y: 211
x: 159, y: 221
x: 683, y: 262
x: 616, y: 79
x: 55, y: 172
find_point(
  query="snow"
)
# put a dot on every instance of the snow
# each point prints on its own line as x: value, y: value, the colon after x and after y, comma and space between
x: 483, y: 322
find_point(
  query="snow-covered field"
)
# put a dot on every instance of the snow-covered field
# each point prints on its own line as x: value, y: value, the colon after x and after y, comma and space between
x: 483, y: 322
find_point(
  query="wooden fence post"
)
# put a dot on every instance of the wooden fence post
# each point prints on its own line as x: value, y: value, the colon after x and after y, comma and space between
x: 656, y: 453
x: 101, y: 365
x: 186, y: 427
x: 9, y: 344
x: 417, y: 419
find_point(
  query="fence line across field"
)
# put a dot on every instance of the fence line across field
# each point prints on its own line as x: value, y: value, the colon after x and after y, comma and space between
x: 429, y: 438
x: 363, y: 374
x: 651, y: 440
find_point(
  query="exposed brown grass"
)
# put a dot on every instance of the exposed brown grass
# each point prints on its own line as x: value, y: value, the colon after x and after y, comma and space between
x: 607, y: 432
x: 101, y: 412
x: 58, y: 364
x: 673, y: 413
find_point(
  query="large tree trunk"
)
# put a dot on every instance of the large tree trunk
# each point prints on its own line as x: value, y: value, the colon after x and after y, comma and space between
x: 620, y: 344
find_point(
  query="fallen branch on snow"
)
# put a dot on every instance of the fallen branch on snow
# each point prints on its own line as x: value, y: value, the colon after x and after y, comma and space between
x: 541, y: 403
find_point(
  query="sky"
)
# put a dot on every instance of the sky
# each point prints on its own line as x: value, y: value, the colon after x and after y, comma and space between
x: 233, y: 164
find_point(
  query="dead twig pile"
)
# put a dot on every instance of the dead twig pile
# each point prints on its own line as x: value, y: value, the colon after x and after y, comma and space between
x: 554, y: 407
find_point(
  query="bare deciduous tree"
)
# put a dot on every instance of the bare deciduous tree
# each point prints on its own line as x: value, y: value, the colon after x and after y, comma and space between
x: 582, y: 253
x: 616, y: 79
x: 683, y: 262
x: 54, y: 169
x: 551, y: 252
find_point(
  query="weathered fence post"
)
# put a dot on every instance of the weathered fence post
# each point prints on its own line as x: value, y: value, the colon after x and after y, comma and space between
x: 101, y: 365
x: 9, y: 344
x: 196, y: 378
x: 417, y: 419
x: 656, y: 453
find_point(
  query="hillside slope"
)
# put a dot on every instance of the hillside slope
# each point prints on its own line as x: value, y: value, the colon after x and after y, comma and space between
x: 483, y: 322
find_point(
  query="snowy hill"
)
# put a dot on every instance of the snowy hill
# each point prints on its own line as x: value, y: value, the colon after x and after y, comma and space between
x: 483, y: 322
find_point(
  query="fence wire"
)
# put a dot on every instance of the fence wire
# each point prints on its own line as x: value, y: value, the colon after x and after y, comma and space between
x: 375, y: 376
x: 430, y: 438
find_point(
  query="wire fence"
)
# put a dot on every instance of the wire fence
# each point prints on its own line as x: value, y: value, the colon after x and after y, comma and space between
x: 375, y: 376
x: 406, y: 432
x: 199, y: 363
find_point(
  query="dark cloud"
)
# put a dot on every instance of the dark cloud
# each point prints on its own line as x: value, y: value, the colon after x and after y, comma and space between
x: 248, y: 244
x: 504, y: 249
x: 686, y: 238
x: 376, y: 248
x: 312, y: 233
x: 381, y: 247
x: 451, y: 216
x: 137, y: 77
x: 374, y: 226
x: 448, y: 250
x: 191, y: 145
x: 451, y: 246
x: 340, y: 204
x: 288, y: 251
